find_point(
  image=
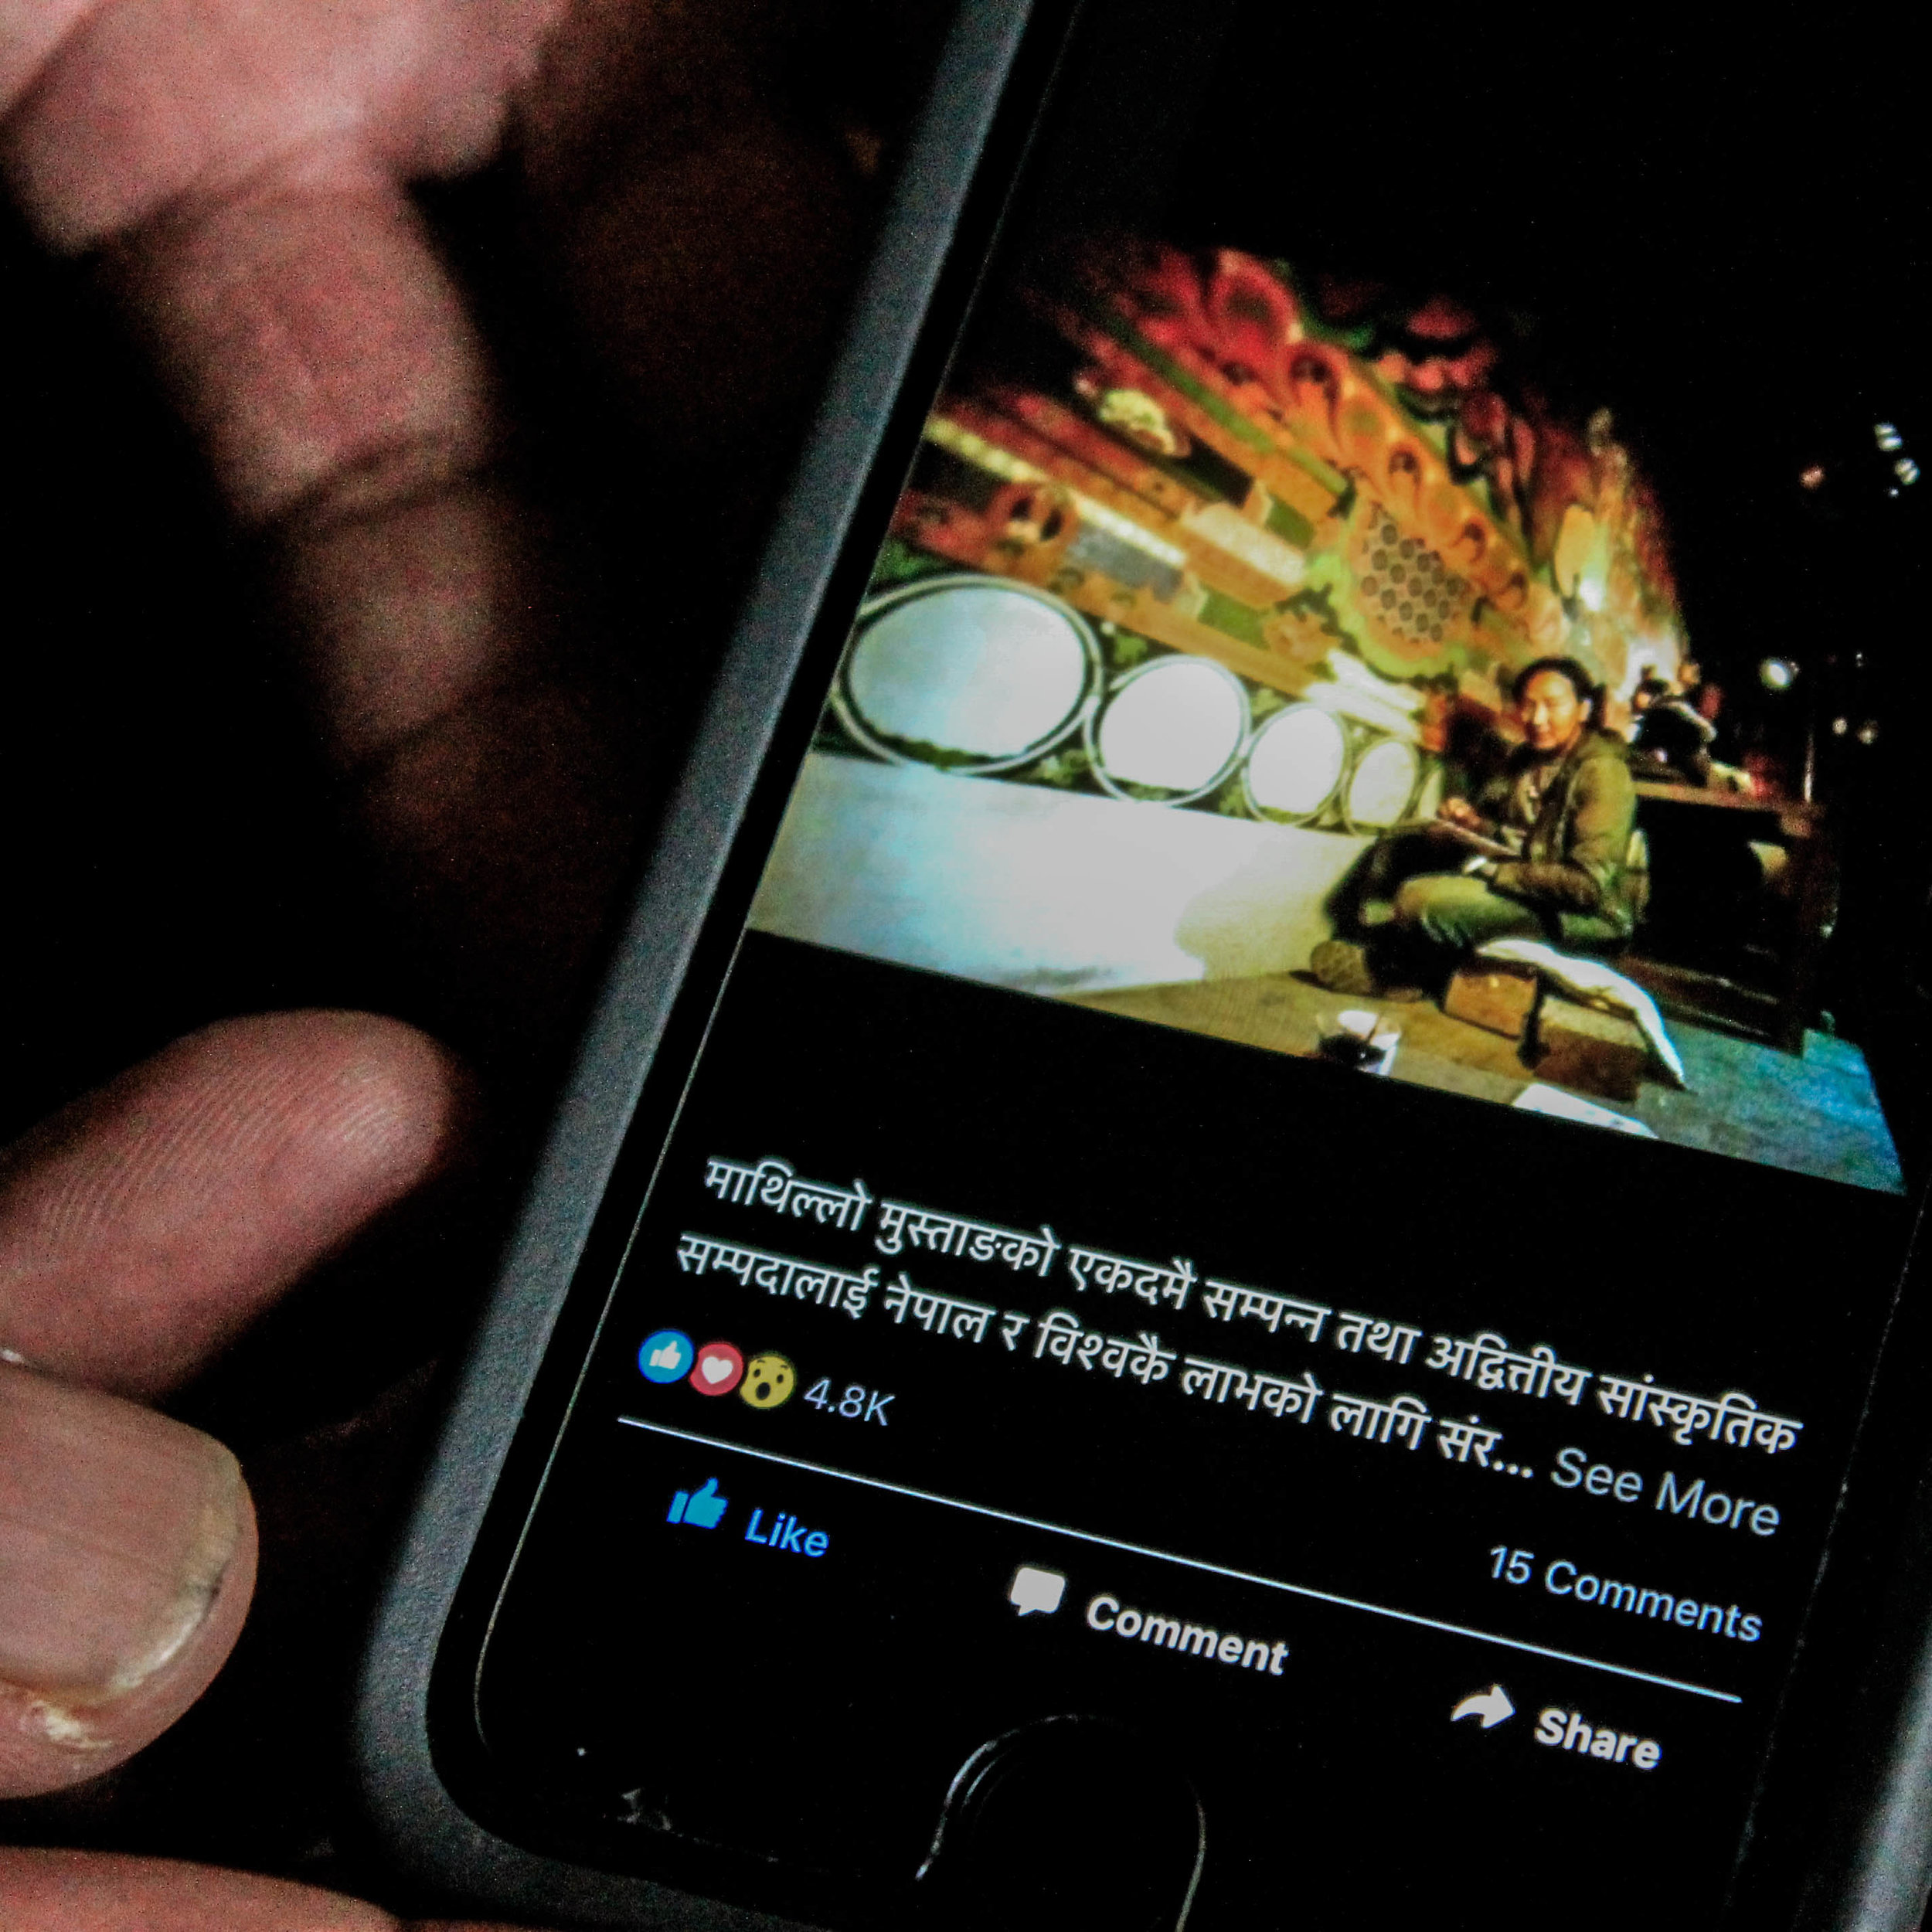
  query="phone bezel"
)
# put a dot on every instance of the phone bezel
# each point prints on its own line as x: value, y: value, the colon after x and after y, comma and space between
x: 973, y: 108
x: 1864, y: 1865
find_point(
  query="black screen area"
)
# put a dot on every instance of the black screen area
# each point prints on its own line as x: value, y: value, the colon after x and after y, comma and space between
x: 1304, y: 1162
x: 1275, y: 1539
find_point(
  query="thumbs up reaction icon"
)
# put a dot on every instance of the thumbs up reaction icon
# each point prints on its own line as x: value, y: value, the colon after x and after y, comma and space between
x: 703, y: 1511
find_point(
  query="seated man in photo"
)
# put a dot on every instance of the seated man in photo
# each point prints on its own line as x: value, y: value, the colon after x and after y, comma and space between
x: 1541, y: 852
x: 1670, y: 739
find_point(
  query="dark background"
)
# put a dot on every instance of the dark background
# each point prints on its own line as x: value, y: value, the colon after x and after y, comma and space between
x: 1721, y: 238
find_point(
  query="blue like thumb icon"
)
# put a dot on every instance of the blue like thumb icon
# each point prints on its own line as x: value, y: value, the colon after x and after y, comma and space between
x: 705, y: 1509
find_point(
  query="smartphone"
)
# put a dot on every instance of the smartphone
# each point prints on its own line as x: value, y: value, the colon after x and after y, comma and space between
x: 1115, y: 1330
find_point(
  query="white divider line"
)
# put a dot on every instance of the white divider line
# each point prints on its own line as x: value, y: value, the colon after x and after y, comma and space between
x: 1188, y: 1562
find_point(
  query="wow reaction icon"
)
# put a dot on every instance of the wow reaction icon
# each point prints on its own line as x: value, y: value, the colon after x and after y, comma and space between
x: 769, y: 1382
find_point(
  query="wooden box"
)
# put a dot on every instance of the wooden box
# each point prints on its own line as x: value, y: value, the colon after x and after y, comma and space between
x: 1498, y: 997
x: 1600, y: 1054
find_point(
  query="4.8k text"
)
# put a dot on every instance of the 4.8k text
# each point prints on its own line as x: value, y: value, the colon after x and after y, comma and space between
x: 856, y: 1404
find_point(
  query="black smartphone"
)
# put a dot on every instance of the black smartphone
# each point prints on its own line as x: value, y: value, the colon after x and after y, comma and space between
x: 1219, y: 1251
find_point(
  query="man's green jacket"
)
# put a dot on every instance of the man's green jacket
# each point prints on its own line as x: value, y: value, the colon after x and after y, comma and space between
x: 1576, y: 856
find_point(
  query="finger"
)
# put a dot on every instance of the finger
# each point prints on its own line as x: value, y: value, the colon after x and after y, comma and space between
x: 702, y: 191
x: 126, y: 1560
x: 241, y: 167
x: 312, y: 338
x: 122, y: 108
x: 316, y: 343
x: 143, y: 1226
x: 85, y: 1892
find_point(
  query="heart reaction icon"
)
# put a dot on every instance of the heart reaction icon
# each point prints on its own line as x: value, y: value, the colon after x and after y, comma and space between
x: 720, y: 1369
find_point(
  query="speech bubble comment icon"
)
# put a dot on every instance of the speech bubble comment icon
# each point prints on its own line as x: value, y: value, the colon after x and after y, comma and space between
x: 1035, y: 1590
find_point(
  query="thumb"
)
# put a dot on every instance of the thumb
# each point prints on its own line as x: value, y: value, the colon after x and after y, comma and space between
x: 126, y: 1560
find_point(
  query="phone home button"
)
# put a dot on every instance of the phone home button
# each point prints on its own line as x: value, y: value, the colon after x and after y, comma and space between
x: 1072, y: 1823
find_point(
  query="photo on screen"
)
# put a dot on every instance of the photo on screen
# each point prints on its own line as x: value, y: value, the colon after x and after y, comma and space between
x: 1261, y: 653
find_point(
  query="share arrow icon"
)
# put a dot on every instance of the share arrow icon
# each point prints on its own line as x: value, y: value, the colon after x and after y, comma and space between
x: 1491, y: 1705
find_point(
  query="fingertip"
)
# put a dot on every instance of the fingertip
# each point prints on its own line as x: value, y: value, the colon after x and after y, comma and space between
x: 60, y: 1891
x: 127, y: 1556
x: 362, y: 1105
x: 143, y: 1227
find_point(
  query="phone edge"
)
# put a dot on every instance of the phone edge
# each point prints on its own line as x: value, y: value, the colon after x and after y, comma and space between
x: 419, y: 1828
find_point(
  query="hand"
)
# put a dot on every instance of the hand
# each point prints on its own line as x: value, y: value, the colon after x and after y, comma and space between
x: 242, y: 174
x: 139, y: 1231
x: 1459, y: 811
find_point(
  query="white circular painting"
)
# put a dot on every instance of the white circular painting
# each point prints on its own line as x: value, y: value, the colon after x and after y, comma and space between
x: 1175, y: 726
x: 1296, y: 762
x: 1381, y: 784
x: 969, y: 672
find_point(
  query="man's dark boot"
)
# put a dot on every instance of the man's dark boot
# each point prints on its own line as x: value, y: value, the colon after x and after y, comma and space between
x: 1361, y: 972
x: 1343, y: 966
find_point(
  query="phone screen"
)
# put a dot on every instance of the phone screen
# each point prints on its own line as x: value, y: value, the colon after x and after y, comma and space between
x: 1276, y: 1168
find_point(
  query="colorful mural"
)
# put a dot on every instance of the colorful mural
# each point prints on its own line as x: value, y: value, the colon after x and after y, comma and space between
x: 1321, y: 495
